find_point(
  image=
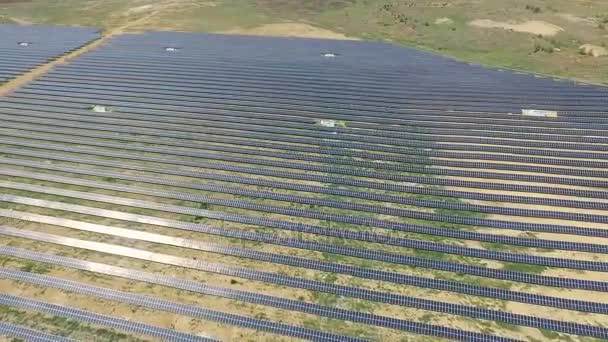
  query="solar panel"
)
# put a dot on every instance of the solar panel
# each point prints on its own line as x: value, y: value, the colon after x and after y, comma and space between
x: 26, y: 47
x: 94, y: 318
x: 334, y: 180
x: 199, y: 312
x: 304, y: 61
x: 367, y: 254
x: 294, y: 305
x: 335, y: 139
x: 418, y: 244
x: 567, y: 327
x: 300, y: 262
x: 291, y: 148
x: 332, y: 203
x: 437, y: 123
x: 21, y: 332
x: 248, y: 125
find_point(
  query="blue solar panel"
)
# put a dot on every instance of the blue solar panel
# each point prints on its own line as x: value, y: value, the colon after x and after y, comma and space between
x: 25, y: 47
x: 418, y: 244
x: 97, y: 319
x: 311, y: 177
x: 318, y: 189
x: 361, y: 120
x: 23, y: 117
x: 27, y: 334
x: 363, y: 253
x: 205, y: 314
x: 566, y: 327
x: 369, y: 63
x: 350, y: 171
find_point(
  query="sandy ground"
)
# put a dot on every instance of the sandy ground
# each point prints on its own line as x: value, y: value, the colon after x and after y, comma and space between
x: 290, y: 30
x: 442, y: 21
x: 20, y: 21
x: 533, y: 26
x: 574, y: 19
x: 594, y: 50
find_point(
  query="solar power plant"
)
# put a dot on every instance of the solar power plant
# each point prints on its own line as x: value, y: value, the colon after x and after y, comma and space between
x: 23, y: 48
x: 202, y: 187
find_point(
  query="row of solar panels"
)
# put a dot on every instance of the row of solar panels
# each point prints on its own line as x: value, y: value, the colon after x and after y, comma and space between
x: 69, y: 124
x: 233, y: 60
x: 336, y: 109
x: 436, y: 247
x: 123, y: 188
x: 243, y: 156
x: 104, y: 122
x: 294, y: 176
x: 25, y: 47
x: 335, y: 313
x: 213, y: 88
x: 107, y: 248
x: 540, y: 243
x: 490, y: 136
x: 397, y: 278
x: 305, y: 54
x: 348, y: 193
x: 532, y: 148
x: 383, y: 117
x: 402, y: 259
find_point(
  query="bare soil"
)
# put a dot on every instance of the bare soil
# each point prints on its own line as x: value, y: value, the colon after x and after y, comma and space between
x: 290, y: 30
x: 535, y: 27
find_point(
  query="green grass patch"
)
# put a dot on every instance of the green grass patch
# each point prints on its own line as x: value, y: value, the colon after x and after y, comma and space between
x: 526, y: 268
x: 34, y: 267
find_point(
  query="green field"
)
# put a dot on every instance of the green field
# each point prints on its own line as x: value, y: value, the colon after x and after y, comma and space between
x: 441, y: 26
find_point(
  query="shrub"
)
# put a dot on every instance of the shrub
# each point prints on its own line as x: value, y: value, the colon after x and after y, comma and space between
x: 544, y: 46
x: 533, y: 9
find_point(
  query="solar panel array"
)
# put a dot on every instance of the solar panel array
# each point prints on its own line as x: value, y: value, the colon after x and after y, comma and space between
x: 27, y: 334
x: 86, y: 316
x: 285, y: 184
x: 25, y: 47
